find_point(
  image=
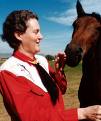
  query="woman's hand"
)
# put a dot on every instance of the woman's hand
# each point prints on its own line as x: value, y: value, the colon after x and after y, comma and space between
x: 59, y: 73
x: 60, y: 60
x: 92, y: 113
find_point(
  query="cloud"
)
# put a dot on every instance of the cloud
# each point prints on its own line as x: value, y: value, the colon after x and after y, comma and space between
x: 92, y: 5
x: 67, y: 17
x: 4, y: 47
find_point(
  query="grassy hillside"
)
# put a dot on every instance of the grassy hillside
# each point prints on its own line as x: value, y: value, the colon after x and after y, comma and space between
x: 73, y: 76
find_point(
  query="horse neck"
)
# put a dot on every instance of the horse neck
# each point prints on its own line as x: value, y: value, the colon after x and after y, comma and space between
x: 93, y: 57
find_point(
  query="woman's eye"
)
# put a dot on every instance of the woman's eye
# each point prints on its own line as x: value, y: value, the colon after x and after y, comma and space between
x: 36, y: 32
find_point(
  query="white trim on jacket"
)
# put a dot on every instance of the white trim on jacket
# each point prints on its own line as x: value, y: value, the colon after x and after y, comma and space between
x: 21, y: 68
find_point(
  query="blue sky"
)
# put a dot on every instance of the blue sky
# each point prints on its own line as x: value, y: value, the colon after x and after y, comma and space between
x: 55, y: 18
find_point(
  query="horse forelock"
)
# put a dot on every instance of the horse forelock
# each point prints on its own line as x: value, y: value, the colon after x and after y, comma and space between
x: 97, y: 16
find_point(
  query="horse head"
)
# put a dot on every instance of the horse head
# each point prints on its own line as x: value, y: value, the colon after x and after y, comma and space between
x: 87, y: 30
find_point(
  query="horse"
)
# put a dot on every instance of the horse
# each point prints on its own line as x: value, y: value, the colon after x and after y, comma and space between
x: 85, y: 47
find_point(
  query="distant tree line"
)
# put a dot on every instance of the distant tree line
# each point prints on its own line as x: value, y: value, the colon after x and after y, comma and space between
x: 50, y: 57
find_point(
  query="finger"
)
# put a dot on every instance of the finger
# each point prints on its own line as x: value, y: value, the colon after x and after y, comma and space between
x: 56, y: 66
x: 56, y: 59
x: 98, y: 120
x: 61, y: 55
x: 63, y: 64
x: 98, y: 116
x: 60, y: 58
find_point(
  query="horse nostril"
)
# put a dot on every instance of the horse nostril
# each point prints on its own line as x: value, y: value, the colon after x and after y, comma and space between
x: 79, y: 51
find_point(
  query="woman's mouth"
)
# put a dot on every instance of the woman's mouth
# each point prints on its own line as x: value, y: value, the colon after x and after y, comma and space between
x: 38, y: 42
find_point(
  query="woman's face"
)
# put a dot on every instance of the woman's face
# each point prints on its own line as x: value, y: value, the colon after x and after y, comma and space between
x: 30, y: 40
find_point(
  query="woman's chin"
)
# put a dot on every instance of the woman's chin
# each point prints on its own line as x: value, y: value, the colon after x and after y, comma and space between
x: 37, y: 51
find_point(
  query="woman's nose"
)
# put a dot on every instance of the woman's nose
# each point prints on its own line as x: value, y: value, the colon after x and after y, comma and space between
x: 40, y: 36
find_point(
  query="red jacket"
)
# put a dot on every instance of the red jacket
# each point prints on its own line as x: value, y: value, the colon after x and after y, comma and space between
x: 27, y: 100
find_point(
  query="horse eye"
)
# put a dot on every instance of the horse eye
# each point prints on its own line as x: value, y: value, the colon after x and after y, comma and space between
x: 76, y: 27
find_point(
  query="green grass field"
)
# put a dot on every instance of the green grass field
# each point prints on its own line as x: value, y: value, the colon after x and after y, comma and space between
x: 73, y: 76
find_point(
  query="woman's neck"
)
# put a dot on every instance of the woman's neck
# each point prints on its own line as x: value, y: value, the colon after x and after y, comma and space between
x: 30, y: 55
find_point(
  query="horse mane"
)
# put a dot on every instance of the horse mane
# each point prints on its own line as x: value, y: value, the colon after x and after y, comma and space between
x: 93, y: 14
x: 96, y: 15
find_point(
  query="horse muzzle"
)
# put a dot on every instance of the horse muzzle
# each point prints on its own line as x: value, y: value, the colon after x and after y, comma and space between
x: 74, y: 56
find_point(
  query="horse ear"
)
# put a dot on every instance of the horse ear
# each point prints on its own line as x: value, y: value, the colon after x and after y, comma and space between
x: 80, y: 10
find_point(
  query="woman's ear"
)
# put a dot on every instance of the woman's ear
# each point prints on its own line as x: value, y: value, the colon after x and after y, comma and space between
x: 18, y: 36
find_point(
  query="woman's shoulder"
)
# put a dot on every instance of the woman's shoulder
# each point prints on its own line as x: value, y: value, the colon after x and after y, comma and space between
x: 15, y: 66
x: 8, y: 63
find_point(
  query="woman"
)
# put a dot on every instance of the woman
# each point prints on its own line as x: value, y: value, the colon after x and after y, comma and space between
x: 31, y: 89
